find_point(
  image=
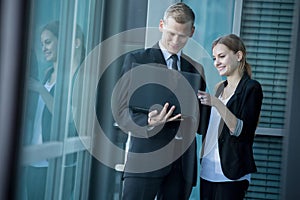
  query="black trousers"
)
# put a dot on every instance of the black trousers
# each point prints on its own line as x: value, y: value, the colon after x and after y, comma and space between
x: 235, y: 190
x: 171, y: 187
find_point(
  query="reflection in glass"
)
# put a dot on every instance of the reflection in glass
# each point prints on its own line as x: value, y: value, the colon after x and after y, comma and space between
x: 42, y: 92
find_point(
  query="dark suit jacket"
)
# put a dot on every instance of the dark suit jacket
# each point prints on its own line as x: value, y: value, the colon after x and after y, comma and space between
x: 236, y: 152
x: 168, y: 131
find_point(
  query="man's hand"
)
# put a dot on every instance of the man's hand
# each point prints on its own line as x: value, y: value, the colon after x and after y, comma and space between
x: 155, y: 118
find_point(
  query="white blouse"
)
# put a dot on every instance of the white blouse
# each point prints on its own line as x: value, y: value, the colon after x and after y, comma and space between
x: 37, y: 130
x: 211, y: 169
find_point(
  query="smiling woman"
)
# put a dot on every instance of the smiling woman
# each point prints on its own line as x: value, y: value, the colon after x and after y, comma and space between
x: 36, y: 176
x: 227, y: 161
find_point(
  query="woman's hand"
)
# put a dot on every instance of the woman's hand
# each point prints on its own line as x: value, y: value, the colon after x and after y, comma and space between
x: 205, y: 98
x: 156, y: 118
x: 228, y: 117
x: 35, y: 85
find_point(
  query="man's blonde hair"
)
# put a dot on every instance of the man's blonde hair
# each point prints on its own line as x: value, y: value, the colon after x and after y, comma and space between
x: 181, y: 13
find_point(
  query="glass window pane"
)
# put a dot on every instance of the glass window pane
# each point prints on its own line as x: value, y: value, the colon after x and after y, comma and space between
x: 57, y: 160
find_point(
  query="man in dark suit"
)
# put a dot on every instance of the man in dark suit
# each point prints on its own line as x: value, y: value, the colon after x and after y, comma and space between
x: 154, y: 168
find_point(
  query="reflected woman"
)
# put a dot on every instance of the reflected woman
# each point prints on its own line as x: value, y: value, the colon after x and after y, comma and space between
x: 227, y: 156
x: 37, y: 172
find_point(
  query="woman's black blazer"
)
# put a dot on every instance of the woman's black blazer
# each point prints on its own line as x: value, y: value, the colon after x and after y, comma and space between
x: 236, y: 153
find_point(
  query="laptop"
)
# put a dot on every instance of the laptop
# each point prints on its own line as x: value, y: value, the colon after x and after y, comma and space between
x: 152, y: 85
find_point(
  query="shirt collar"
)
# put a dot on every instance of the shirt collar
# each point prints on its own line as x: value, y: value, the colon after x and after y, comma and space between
x: 165, y: 52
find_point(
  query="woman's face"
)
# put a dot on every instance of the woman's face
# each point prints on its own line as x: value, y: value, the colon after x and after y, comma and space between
x: 225, y: 60
x: 49, y: 46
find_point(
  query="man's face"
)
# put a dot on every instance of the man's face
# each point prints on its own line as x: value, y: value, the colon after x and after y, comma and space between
x: 175, y: 35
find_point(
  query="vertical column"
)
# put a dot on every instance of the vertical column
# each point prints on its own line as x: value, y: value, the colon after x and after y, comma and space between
x: 13, y: 37
x: 291, y: 164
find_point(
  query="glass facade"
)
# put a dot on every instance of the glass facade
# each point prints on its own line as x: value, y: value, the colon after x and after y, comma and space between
x: 58, y: 134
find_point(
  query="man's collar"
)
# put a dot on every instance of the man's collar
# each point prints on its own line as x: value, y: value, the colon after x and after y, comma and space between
x: 166, y: 53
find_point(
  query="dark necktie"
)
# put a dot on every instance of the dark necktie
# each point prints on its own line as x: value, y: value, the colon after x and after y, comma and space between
x: 174, y: 63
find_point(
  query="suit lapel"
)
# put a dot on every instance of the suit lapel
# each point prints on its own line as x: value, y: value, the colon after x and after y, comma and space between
x: 185, y: 65
x: 238, y: 90
x: 157, y: 55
